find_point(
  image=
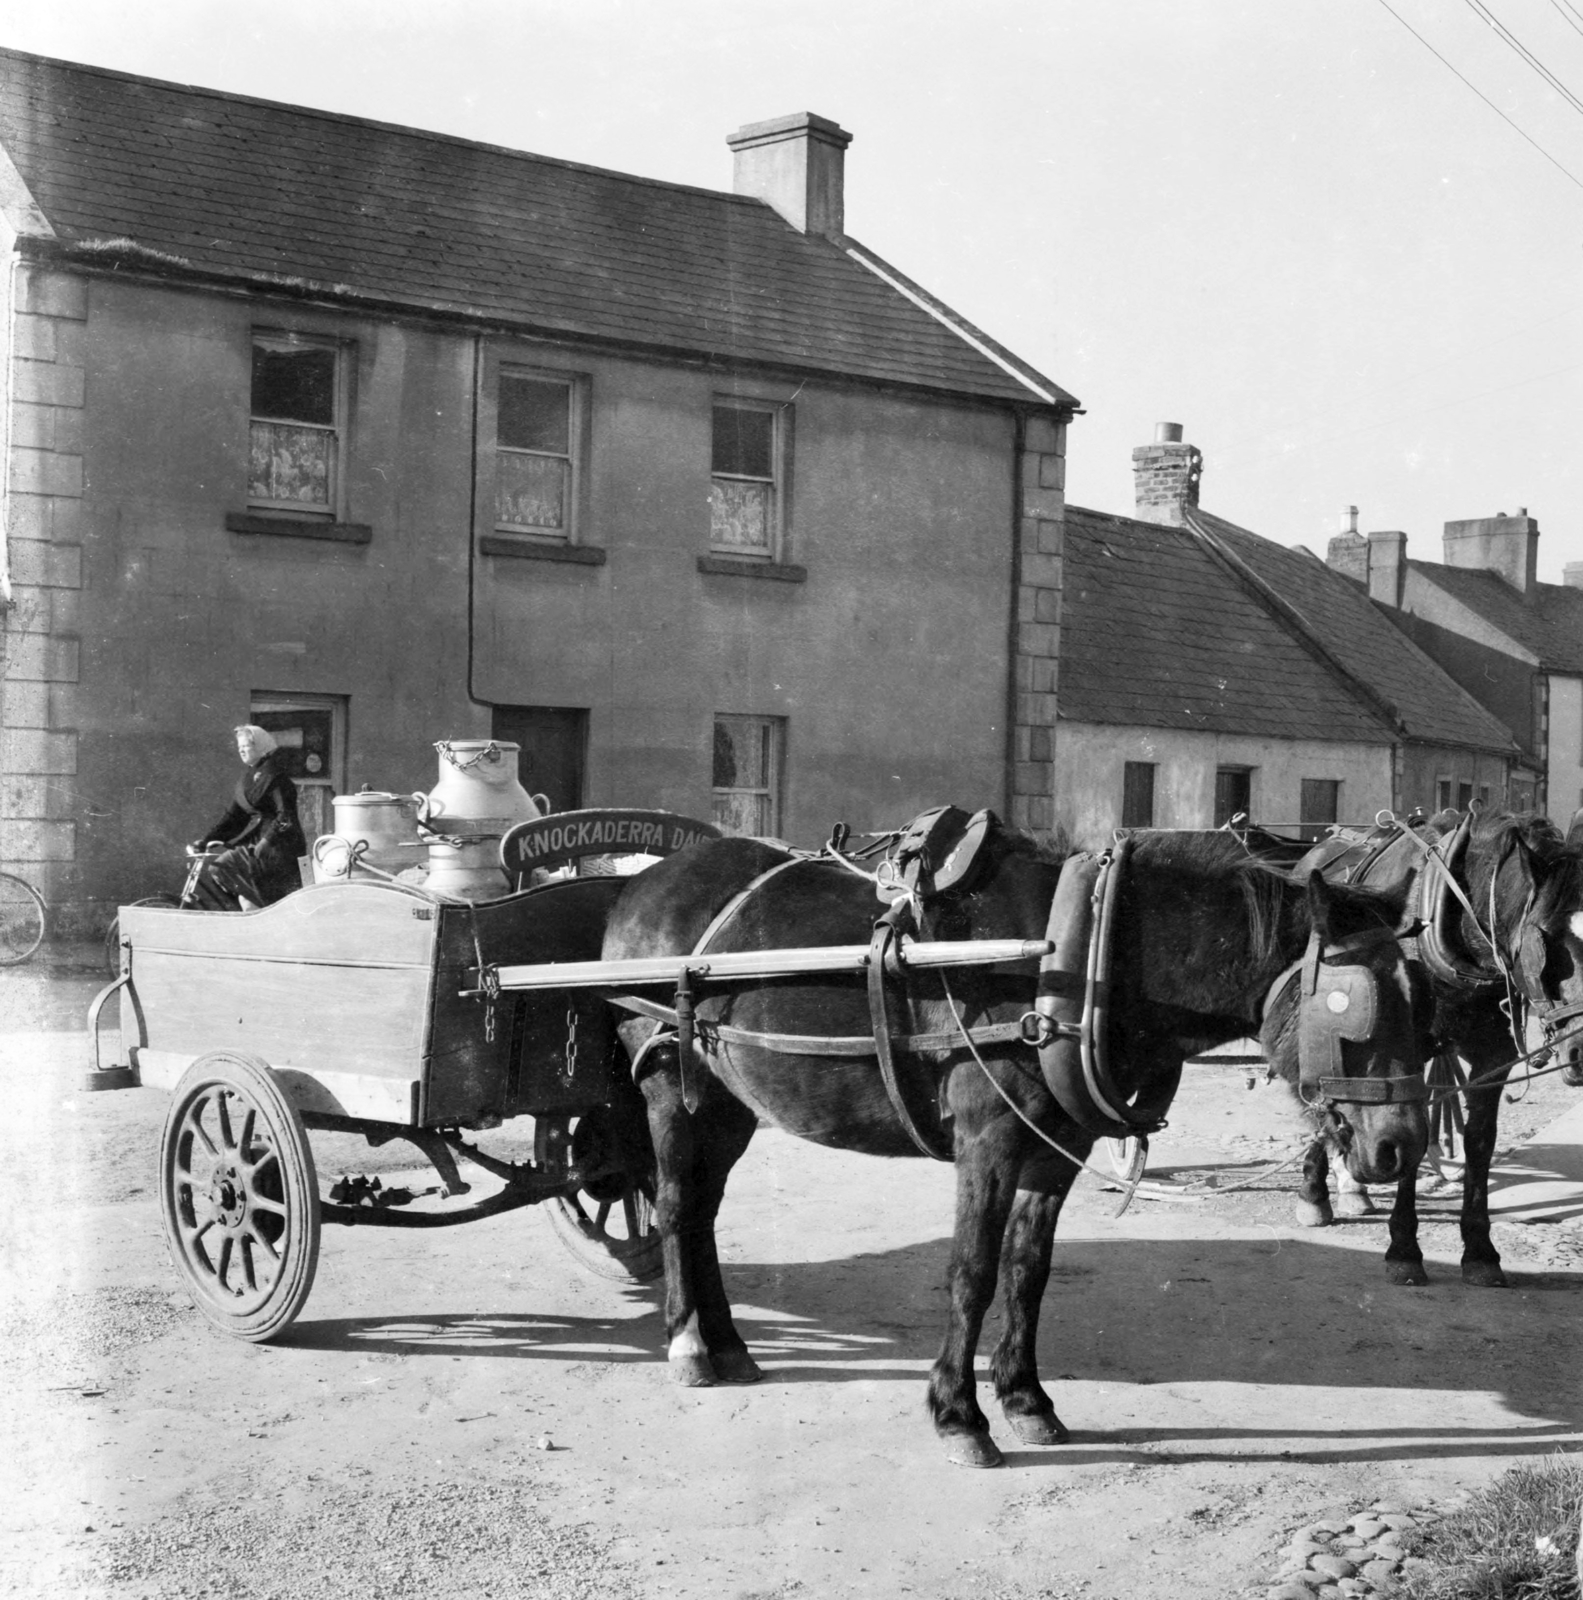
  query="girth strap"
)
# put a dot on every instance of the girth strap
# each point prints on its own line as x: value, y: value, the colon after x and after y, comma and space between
x: 820, y: 1044
x: 939, y: 1147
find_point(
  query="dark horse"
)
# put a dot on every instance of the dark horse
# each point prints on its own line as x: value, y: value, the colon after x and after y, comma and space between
x: 1509, y: 943
x: 1202, y: 937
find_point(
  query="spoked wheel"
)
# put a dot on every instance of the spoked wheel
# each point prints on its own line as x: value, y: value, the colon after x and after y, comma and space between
x: 610, y: 1225
x: 239, y: 1196
x: 112, y: 934
x: 21, y: 920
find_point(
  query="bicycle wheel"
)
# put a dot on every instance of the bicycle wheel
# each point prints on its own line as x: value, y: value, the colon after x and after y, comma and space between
x: 21, y: 920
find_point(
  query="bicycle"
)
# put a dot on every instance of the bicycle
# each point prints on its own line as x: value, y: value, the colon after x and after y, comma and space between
x: 196, y: 857
x: 21, y: 919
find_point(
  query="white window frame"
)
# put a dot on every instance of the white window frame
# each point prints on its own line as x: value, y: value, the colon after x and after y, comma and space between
x: 286, y: 338
x: 779, y: 414
x: 771, y: 789
x: 575, y: 385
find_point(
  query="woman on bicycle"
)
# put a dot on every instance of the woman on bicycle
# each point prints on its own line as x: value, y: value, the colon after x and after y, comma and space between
x: 260, y: 832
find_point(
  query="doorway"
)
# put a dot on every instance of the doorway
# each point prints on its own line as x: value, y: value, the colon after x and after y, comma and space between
x: 552, y: 751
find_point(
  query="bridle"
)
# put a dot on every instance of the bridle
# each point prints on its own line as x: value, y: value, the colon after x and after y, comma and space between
x: 1339, y: 1001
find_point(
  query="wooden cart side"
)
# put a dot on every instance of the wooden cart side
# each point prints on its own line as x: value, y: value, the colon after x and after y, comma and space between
x: 332, y: 987
x: 515, y: 1062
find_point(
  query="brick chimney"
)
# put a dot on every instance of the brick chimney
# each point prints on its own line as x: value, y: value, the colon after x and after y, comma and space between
x: 1165, y: 476
x: 797, y: 164
x: 1572, y: 574
x: 1506, y: 546
x: 1348, y: 551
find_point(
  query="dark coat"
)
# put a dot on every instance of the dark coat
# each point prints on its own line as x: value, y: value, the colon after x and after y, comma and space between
x: 262, y: 832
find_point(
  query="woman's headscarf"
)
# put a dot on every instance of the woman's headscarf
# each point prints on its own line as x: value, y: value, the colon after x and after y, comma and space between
x: 263, y: 739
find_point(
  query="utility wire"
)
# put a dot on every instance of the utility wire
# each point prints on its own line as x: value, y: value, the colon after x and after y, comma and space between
x: 1482, y: 96
x: 1563, y: 12
x: 1510, y: 39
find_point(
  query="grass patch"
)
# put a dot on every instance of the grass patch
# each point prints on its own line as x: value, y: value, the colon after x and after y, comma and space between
x: 1515, y: 1540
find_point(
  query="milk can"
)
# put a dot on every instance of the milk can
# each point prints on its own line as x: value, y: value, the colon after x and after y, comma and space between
x: 464, y: 815
x: 371, y: 828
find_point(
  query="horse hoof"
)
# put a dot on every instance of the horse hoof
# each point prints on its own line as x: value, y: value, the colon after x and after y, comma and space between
x: 1036, y: 1427
x: 1355, y: 1203
x: 1310, y: 1215
x: 693, y: 1372
x: 972, y: 1450
x: 1483, y: 1275
x: 1406, y: 1274
x: 735, y: 1366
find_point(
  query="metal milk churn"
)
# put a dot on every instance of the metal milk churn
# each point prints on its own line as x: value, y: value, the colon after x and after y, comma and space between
x: 371, y: 828
x: 464, y: 815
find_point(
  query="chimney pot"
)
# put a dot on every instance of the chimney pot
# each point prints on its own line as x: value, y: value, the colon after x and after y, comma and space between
x: 1349, y: 519
x: 1168, y: 433
x: 797, y: 165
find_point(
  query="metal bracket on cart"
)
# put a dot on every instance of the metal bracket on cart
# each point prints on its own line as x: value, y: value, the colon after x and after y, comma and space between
x: 360, y: 1201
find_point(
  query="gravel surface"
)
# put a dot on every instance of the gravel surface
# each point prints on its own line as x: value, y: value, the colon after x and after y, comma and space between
x: 443, y: 1541
x: 1230, y: 1381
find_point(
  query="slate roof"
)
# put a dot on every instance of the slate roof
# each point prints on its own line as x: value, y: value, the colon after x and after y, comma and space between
x: 1360, y: 637
x: 1156, y: 633
x: 241, y: 187
x: 1549, y: 622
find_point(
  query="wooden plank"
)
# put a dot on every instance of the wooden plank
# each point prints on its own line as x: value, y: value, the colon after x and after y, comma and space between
x: 343, y: 1094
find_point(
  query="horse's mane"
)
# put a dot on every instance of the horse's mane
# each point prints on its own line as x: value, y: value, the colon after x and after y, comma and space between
x: 1558, y: 870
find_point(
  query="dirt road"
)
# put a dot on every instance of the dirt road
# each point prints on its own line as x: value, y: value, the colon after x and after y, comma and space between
x: 469, y: 1412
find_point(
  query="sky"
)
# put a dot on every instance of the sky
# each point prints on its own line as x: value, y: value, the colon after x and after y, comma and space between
x: 1351, y: 274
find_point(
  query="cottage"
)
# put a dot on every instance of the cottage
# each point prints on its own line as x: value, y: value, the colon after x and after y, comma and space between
x: 1253, y: 679
x: 377, y: 436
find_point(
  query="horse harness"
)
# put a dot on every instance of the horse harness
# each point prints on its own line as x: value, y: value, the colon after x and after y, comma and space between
x: 938, y: 851
x: 1070, y: 1021
x: 1428, y: 935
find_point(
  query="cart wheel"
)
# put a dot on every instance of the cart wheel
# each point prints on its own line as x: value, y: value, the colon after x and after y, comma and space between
x: 239, y: 1196
x: 610, y: 1226
x: 112, y: 934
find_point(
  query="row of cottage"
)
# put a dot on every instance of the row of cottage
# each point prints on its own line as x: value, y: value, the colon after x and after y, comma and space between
x: 376, y: 437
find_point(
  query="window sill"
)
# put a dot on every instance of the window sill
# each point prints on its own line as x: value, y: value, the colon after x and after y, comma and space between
x: 738, y: 567
x: 297, y: 528
x: 519, y: 549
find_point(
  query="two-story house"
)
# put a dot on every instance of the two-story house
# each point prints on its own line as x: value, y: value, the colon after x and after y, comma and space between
x: 377, y: 437
x: 1512, y: 642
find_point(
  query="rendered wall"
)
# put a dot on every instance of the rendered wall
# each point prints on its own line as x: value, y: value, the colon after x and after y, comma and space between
x: 889, y: 662
x: 1089, y: 758
x: 151, y: 624
x: 1425, y: 766
x: 1565, y: 774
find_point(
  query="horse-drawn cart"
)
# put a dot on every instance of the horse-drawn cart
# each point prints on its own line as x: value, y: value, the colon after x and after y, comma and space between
x: 377, y: 1008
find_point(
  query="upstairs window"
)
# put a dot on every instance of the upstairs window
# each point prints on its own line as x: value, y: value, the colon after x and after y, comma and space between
x: 1319, y: 805
x: 1137, y: 794
x: 746, y: 489
x: 295, y: 441
x: 747, y: 775
x: 535, y: 455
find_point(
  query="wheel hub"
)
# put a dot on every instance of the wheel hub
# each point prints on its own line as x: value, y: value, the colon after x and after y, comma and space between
x: 227, y: 1197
